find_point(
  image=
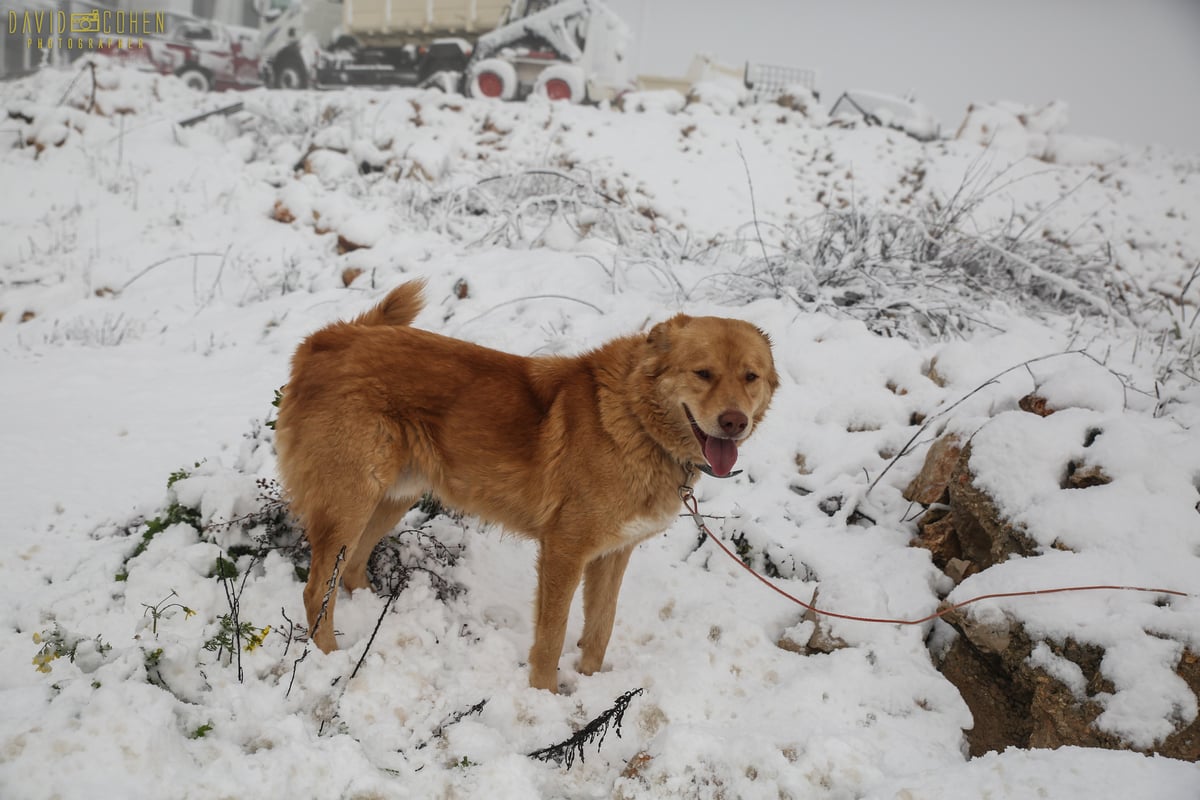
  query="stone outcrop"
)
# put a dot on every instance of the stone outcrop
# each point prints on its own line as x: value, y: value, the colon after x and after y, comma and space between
x: 1014, y: 698
x: 966, y: 527
x: 932, y: 482
x: 1017, y: 703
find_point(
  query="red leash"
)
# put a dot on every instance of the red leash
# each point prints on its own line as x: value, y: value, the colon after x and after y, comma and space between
x: 689, y: 502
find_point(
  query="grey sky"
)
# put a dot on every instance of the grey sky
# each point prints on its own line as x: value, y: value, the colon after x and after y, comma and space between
x: 1128, y: 69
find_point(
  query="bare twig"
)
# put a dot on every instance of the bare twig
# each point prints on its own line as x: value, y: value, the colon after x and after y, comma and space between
x: 331, y: 587
x: 166, y: 260
x: 71, y: 85
x: 906, y: 449
x: 498, y: 306
x: 565, y: 751
x: 453, y: 719
x: 378, y: 623
x: 757, y: 228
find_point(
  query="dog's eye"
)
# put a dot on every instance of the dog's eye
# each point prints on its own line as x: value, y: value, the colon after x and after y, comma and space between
x: 751, y: 377
x: 703, y: 374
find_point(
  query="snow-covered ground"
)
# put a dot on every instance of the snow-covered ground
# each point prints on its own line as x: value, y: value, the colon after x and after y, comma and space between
x: 155, y: 278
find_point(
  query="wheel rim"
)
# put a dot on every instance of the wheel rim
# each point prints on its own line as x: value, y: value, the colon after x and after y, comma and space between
x: 490, y: 84
x: 558, y: 89
x: 289, y: 78
x: 196, y: 81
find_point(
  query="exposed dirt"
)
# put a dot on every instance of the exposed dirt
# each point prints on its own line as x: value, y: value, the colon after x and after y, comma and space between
x: 1014, y: 703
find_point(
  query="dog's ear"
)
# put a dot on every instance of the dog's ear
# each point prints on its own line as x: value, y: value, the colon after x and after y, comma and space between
x: 773, y: 377
x: 659, y: 337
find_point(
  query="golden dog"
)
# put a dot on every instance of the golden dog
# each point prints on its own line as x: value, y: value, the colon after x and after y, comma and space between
x: 583, y: 454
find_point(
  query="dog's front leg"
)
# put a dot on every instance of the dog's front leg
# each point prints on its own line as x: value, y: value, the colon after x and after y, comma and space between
x: 601, y: 585
x: 559, y: 574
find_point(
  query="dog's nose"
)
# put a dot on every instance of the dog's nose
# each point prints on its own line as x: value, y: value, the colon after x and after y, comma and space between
x: 733, y: 423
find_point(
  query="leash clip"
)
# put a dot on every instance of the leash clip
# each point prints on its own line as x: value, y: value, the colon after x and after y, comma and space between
x: 688, y: 497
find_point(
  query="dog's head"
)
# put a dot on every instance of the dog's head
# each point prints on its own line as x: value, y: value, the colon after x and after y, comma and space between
x: 714, y: 379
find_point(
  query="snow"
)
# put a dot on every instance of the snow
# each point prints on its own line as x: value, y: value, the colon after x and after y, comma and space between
x: 895, y: 112
x: 1071, y: 772
x: 1126, y: 69
x: 163, y: 293
x: 1098, y: 535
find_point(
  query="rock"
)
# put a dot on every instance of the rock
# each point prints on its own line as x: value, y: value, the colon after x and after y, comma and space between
x: 934, y: 375
x: 1035, y: 404
x: 972, y: 533
x: 822, y: 641
x: 791, y: 645
x: 936, y: 533
x: 1082, y: 476
x: 345, y: 245
x: 958, y: 570
x: 930, y: 484
x: 986, y: 538
x: 637, y: 765
x: 281, y: 213
x: 1017, y: 703
x: 819, y: 641
x: 998, y: 703
x: 1025, y: 689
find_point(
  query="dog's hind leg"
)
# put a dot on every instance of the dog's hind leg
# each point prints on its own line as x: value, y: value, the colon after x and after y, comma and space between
x: 334, y: 547
x: 386, y: 515
x: 558, y: 576
x: 601, y: 585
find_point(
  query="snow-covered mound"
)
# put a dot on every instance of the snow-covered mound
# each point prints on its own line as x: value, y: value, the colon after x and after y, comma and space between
x: 156, y: 277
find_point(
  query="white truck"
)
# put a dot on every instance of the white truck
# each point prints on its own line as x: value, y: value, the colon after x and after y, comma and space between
x: 572, y: 50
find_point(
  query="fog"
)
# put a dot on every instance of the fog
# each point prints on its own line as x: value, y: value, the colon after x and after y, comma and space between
x: 1128, y: 70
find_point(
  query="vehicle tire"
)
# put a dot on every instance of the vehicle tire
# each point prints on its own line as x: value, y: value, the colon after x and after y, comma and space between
x: 492, y: 77
x: 562, y: 82
x: 446, y: 82
x: 290, y: 73
x: 196, y: 78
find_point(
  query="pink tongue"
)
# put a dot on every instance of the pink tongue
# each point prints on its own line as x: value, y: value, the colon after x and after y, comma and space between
x: 721, y: 455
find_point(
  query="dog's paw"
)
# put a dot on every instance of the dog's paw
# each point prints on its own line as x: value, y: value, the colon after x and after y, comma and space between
x: 586, y: 666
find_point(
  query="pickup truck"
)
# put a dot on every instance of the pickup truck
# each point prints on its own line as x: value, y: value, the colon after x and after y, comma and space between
x: 207, y: 55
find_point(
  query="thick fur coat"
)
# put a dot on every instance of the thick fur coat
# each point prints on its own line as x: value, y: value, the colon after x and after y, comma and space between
x: 583, y: 454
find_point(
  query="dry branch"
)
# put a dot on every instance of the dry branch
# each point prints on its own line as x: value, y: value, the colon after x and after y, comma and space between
x: 565, y: 751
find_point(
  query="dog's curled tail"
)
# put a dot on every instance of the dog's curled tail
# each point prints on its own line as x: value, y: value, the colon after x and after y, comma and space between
x: 400, y: 307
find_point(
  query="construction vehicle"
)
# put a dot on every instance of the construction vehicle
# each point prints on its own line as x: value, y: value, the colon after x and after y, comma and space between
x: 206, y: 54
x: 570, y: 50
